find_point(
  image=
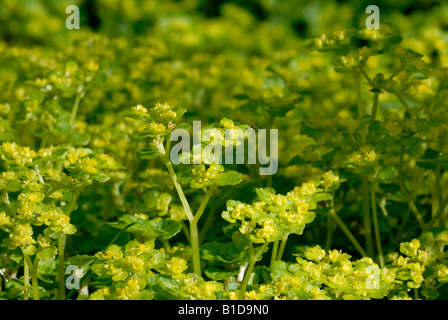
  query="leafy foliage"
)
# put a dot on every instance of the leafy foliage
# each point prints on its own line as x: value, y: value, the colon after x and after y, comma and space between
x: 357, y: 209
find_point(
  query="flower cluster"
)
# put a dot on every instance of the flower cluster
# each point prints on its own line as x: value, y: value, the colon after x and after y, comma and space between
x: 331, y: 275
x: 275, y: 216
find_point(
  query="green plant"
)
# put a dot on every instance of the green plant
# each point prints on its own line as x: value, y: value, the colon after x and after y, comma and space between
x: 356, y: 210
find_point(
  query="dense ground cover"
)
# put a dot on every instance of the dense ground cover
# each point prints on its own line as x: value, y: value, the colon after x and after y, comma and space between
x: 356, y: 210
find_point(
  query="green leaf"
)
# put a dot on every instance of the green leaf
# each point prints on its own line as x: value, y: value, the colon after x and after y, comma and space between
x: 391, y: 40
x: 210, y: 250
x: 81, y: 260
x: 431, y: 154
x: 135, y: 115
x: 163, y: 229
x: 47, y: 253
x: 229, y: 253
x: 165, y: 287
x: 146, y: 153
x: 100, y: 177
x: 322, y: 196
x: 80, y: 139
x: 389, y: 187
x: 70, y: 229
x: 183, y: 125
x: 61, y: 152
x: 241, y: 96
x: 387, y: 173
x: 240, y: 240
x: 265, y: 194
x: 14, y: 185
x: 219, y: 274
x: 227, y: 178
x: 68, y: 196
x: 297, y: 160
x: 426, y: 164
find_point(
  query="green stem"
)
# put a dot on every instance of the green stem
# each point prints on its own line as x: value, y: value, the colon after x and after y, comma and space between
x: 373, y: 116
x: 347, y: 232
x: 364, y: 73
x: 436, y: 96
x: 34, y: 280
x: 274, y: 251
x: 208, y: 222
x: 186, y: 231
x: 12, y: 212
x: 330, y: 228
x: 358, y: 94
x: 204, y: 202
x: 61, y: 266
x: 403, y: 102
x: 179, y: 190
x: 166, y: 245
x: 79, y: 95
x: 402, y: 226
x: 194, y: 237
x: 435, y: 199
x: 194, y: 234
x: 253, y: 260
x: 437, y: 215
x: 282, y: 248
x: 366, y: 216
x: 376, y: 226
x: 26, y: 280
x: 29, y: 266
x: 412, y: 207
x: 62, y: 239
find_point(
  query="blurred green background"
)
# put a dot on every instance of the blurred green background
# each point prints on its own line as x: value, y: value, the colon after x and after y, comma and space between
x: 44, y: 20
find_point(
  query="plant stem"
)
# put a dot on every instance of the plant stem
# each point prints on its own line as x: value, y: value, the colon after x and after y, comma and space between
x: 186, y: 231
x: 366, y: 216
x: 358, y: 94
x: 372, y: 116
x: 404, y: 103
x: 62, y: 239
x: 194, y: 236
x: 402, y: 226
x: 61, y: 266
x: 330, y: 228
x: 204, y: 202
x: 274, y: 251
x: 364, y: 73
x: 34, y: 280
x: 253, y: 260
x: 166, y: 245
x: 193, y: 219
x: 329, y: 237
x: 376, y: 226
x: 208, y: 221
x: 26, y: 280
x: 435, y: 199
x: 412, y: 207
x: 437, y: 215
x: 179, y: 190
x: 348, y: 233
x: 78, y: 98
x: 282, y: 247
x: 29, y: 266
